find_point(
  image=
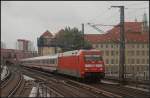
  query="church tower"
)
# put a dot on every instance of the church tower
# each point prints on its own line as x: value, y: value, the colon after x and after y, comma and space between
x: 145, y: 27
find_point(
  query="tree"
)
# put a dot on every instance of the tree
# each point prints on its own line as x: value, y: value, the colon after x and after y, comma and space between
x: 71, y: 39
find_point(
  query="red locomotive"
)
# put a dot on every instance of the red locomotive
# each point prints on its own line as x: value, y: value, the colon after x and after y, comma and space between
x: 83, y: 64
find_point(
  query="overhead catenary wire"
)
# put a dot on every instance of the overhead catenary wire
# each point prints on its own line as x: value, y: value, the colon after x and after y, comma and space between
x: 137, y: 8
x: 136, y: 3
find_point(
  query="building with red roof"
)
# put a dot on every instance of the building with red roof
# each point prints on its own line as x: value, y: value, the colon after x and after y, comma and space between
x: 133, y: 32
x: 136, y: 48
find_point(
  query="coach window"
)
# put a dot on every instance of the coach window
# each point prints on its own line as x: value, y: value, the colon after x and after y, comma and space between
x: 45, y: 61
x: 48, y: 61
x: 42, y: 61
x: 53, y: 61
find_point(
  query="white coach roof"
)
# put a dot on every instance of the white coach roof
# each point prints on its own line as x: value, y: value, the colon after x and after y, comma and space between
x: 42, y: 57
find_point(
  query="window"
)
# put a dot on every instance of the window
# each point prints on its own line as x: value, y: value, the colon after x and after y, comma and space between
x: 143, y: 52
x: 112, y: 53
x: 143, y: 61
x: 116, y: 61
x: 137, y: 45
x: 93, y: 58
x: 101, y: 45
x: 128, y: 52
x: 106, y: 45
x: 107, y: 61
x: 129, y: 61
x: 116, y: 52
x: 137, y: 68
x: 147, y: 61
x: 52, y: 61
x: 112, y: 61
x: 47, y: 61
x: 96, y: 45
x: 111, y: 45
x: 137, y: 61
x: 116, y: 45
x: 107, y: 53
x: 137, y: 53
x: 102, y: 52
x: 132, y: 61
x: 142, y: 45
x: 133, y: 46
x: 133, y: 53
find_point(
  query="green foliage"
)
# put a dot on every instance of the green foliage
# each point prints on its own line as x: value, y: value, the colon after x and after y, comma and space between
x: 71, y: 39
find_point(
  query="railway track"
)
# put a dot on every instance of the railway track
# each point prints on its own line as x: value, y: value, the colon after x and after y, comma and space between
x: 76, y: 89
x: 7, y: 75
x: 108, y: 90
x: 62, y: 88
x: 11, y: 86
x: 121, y: 90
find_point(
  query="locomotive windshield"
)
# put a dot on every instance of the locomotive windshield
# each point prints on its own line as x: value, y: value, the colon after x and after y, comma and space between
x: 93, y: 58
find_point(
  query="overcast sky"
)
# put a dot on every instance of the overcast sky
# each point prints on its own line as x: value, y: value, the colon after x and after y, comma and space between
x: 29, y: 19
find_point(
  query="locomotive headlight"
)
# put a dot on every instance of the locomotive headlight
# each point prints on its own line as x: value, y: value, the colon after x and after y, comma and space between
x: 99, y: 65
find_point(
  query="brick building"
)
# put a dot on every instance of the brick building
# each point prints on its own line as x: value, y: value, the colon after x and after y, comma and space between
x: 136, y: 49
x: 13, y: 55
